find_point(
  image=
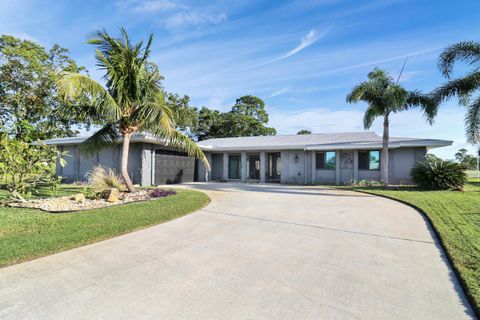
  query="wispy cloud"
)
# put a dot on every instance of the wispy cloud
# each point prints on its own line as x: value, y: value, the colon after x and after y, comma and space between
x: 279, y: 92
x: 310, y: 38
x: 194, y: 19
x: 152, y: 6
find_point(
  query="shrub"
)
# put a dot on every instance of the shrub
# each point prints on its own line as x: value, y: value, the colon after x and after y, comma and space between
x: 160, y: 193
x: 101, y: 179
x: 437, y: 174
x: 25, y: 167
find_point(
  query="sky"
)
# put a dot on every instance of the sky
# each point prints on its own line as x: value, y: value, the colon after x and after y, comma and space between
x: 301, y: 57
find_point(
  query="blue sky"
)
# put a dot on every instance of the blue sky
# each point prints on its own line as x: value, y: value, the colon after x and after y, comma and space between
x: 301, y: 57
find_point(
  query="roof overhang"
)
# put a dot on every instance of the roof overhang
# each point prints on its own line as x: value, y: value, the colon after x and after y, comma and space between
x: 140, y: 137
x: 428, y: 143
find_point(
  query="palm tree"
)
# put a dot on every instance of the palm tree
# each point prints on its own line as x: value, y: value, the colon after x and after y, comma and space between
x: 384, y: 97
x: 462, y: 87
x: 132, y: 101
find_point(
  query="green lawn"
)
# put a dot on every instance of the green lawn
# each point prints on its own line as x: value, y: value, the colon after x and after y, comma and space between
x: 26, y: 234
x: 456, y: 217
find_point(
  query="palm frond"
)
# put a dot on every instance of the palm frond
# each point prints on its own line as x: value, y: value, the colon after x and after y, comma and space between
x: 181, y: 142
x: 370, y: 115
x: 395, y: 98
x: 467, y: 51
x: 73, y: 86
x: 472, y: 122
x: 102, y: 138
x: 459, y: 87
x: 426, y: 102
x: 365, y: 91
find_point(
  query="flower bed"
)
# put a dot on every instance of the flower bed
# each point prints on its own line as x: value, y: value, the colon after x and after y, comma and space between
x: 70, y: 203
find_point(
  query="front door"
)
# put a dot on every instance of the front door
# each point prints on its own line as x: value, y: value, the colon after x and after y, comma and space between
x: 274, y: 167
x: 253, y: 164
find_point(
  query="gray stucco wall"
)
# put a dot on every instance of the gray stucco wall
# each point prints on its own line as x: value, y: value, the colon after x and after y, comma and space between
x: 304, y: 170
x: 401, y: 162
x: 293, y: 172
x: 217, y: 166
x: 79, y: 164
x: 324, y: 176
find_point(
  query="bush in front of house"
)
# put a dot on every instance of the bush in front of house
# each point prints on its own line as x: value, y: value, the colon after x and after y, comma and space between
x: 160, y: 193
x: 101, y: 179
x: 25, y: 167
x: 437, y: 174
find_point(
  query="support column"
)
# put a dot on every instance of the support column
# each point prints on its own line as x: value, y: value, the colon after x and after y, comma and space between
x: 243, y: 167
x: 355, y: 165
x: 337, y: 166
x: 314, y: 167
x: 225, y: 165
x: 208, y: 173
x: 263, y: 166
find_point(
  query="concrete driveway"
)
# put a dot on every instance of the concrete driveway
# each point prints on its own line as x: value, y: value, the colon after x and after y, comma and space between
x: 256, y: 252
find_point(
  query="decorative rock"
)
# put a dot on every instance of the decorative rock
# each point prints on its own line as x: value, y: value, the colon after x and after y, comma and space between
x: 65, y: 204
x: 111, y: 195
x: 79, y: 198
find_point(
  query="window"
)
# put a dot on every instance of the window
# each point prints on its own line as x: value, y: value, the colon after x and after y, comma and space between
x: 369, y: 160
x: 326, y: 160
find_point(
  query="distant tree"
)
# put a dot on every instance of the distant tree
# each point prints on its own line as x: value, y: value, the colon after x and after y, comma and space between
x: 133, y: 100
x: 467, y: 161
x: 184, y: 115
x: 304, y: 131
x: 247, y: 117
x: 28, y: 95
x: 463, y: 87
x: 210, y: 124
x: 384, y: 96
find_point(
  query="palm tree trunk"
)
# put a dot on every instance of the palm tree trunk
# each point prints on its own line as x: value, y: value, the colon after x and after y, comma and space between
x: 384, y: 158
x: 124, y: 163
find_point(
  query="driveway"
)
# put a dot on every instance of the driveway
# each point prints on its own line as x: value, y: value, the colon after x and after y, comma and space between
x: 256, y: 252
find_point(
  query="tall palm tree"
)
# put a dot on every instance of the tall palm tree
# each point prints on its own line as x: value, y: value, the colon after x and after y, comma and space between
x: 463, y: 87
x: 384, y: 96
x: 132, y: 101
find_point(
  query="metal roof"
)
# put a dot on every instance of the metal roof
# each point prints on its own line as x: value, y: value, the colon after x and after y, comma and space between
x: 317, y: 141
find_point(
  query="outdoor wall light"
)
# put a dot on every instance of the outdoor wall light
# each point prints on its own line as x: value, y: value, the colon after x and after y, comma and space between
x: 295, y: 159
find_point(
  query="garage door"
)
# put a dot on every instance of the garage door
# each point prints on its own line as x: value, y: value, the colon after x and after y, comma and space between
x: 173, y: 167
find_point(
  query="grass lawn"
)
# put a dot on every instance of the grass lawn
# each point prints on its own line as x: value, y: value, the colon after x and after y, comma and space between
x: 27, y: 234
x: 456, y: 217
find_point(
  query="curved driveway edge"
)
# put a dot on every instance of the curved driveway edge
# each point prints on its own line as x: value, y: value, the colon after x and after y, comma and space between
x: 255, y: 252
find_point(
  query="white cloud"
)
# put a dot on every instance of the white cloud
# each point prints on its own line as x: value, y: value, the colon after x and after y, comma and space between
x: 195, y: 19
x: 310, y: 38
x: 156, y: 5
x: 279, y: 92
x: 149, y: 6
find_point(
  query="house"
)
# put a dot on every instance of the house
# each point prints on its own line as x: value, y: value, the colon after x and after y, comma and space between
x: 329, y: 158
x: 150, y: 160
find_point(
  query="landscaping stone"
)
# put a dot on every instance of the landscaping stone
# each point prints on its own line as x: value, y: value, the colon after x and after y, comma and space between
x: 79, y: 197
x: 69, y: 203
x: 111, y: 195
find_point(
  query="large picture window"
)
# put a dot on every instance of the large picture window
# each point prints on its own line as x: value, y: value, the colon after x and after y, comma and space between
x: 326, y: 160
x: 369, y: 160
